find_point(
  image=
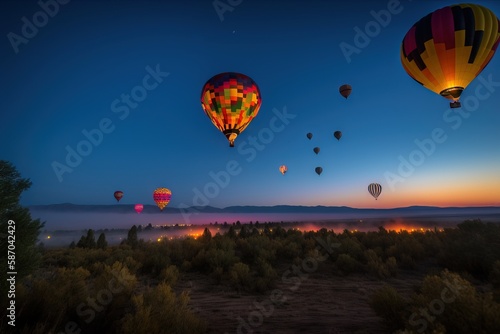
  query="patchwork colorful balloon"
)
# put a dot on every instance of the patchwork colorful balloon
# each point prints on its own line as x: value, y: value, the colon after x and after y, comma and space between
x: 231, y: 101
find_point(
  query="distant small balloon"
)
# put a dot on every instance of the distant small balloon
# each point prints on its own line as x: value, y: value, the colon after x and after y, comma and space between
x: 309, y: 136
x: 118, y: 195
x: 316, y: 150
x: 283, y: 169
x: 138, y: 208
x: 375, y: 189
x: 337, y: 134
x: 345, y: 90
x: 318, y: 170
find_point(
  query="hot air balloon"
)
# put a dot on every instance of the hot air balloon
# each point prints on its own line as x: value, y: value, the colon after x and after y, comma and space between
x: 316, y: 150
x: 118, y: 195
x: 345, y: 90
x: 162, y: 197
x: 231, y: 101
x: 283, y: 169
x: 337, y: 134
x: 375, y: 189
x: 449, y: 47
x: 318, y: 170
x: 309, y: 136
x: 138, y: 208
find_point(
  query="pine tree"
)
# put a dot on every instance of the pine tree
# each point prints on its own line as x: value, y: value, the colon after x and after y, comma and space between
x: 207, y: 235
x: 101, y: 241
x: 90, y: 239
x: 16, y: 226
x: 132, y: 237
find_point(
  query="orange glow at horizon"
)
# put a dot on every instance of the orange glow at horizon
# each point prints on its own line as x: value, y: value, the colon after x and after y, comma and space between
x: 445, y: 191
x: 480, y: 191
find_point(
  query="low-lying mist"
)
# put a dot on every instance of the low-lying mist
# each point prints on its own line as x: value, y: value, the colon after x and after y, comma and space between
x: 64, y: 236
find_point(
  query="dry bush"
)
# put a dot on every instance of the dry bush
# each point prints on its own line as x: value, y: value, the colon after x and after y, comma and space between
x: 158, y: 311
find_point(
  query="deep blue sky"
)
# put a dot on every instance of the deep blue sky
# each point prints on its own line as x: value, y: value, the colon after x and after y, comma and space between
x: 66, y: 77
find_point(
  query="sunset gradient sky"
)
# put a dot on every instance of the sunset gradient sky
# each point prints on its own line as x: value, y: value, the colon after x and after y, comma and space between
x: 70, y: 77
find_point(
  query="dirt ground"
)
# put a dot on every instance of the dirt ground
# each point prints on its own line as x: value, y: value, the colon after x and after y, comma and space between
x: 320, y: 304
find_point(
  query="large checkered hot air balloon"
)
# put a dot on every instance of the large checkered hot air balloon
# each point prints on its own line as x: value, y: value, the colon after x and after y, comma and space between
x: 449, y: 47
x: 231, y: 101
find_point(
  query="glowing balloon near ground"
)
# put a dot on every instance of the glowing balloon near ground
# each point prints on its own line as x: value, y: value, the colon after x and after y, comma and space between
x: 162, y: 197
x: 231, y: 101
x: 318, y: 170
x: 118, y: 195
x: 345, y: 90
x: 283, y: 169
x: 449, y: 47
x: 375, y: 189
x: 138, y: 208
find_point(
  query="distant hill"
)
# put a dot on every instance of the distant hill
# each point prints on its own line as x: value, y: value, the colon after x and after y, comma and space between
x: 404, y: 211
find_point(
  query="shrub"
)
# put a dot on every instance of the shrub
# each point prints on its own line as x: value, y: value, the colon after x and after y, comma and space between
x: 377, y: 267
x: 444, y: 303
x: 48, y: 303
x: 159, y: 310
x: 392, y: 266
x: 454, y: 303
x: 389, y: 305
x: 495, y: 274
x: 240, y: 275
x: 266, y: 276
x: 347, y: 264
x: 170, y: 275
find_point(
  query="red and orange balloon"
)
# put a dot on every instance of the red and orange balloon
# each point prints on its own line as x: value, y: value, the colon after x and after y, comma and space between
x: 162, y: 197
